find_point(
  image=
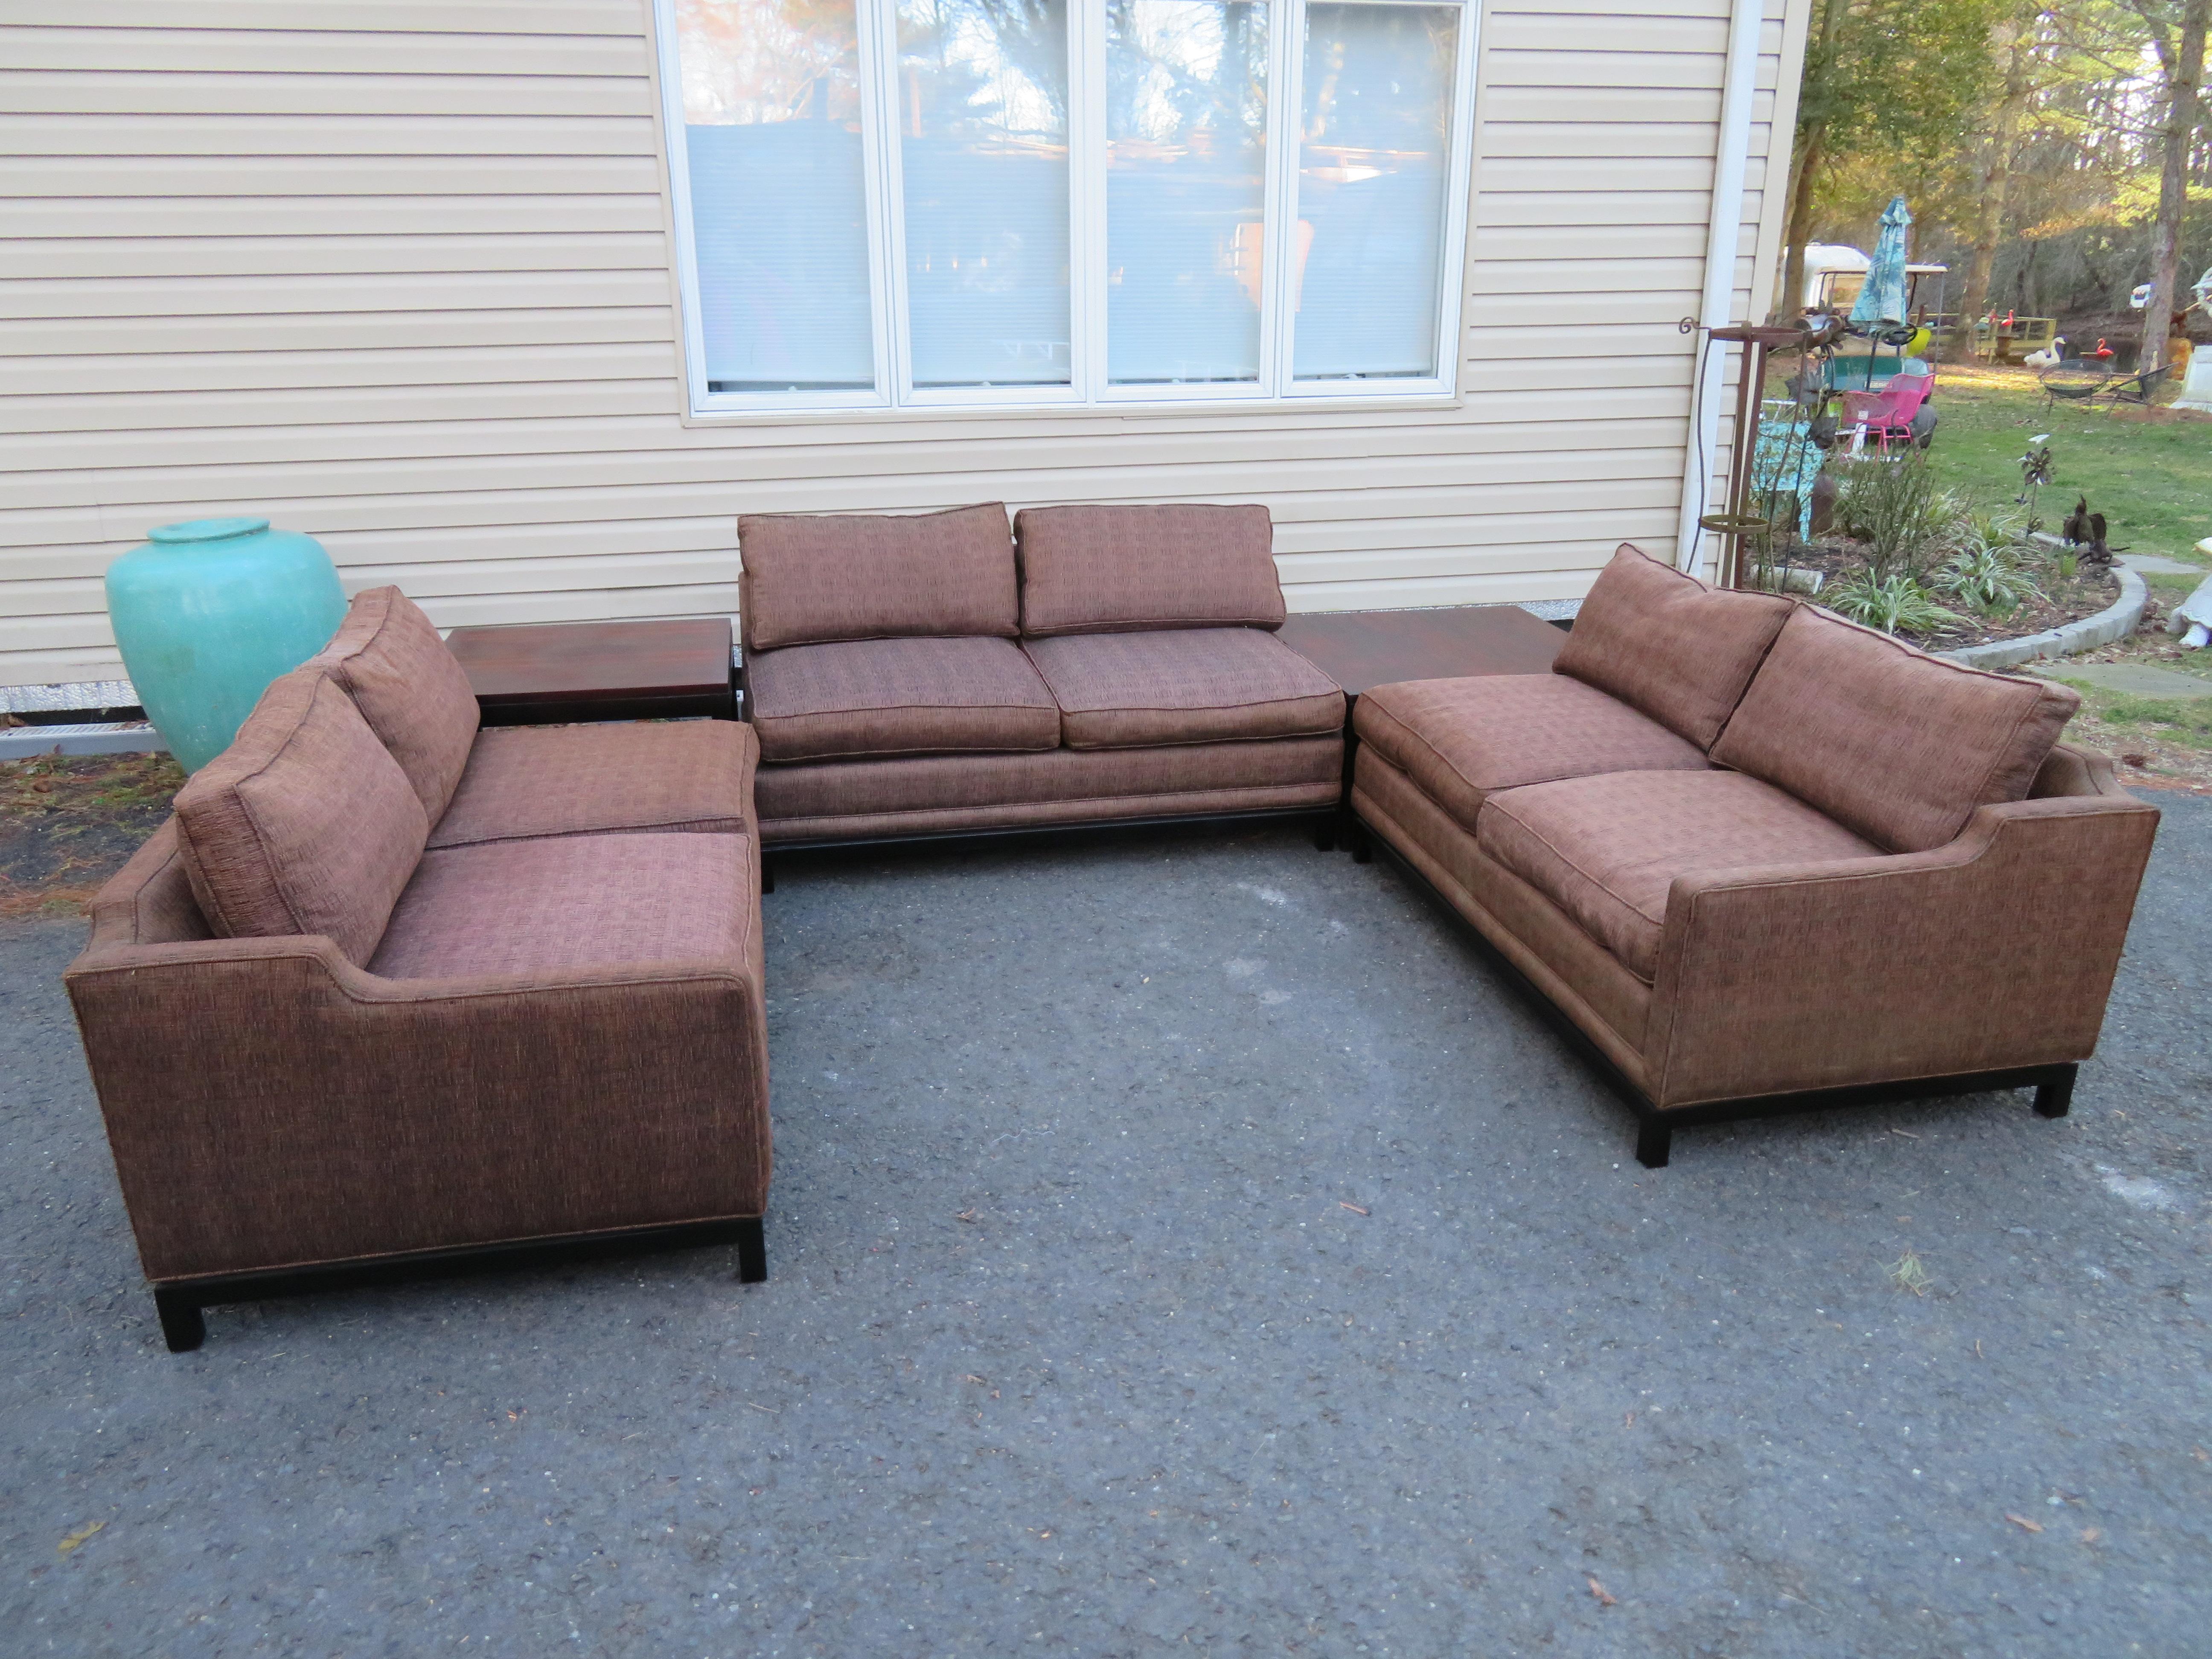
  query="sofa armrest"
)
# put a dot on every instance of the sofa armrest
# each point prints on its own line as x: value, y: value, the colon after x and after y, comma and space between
x: 1994, y: 951
x: 272, y: 1105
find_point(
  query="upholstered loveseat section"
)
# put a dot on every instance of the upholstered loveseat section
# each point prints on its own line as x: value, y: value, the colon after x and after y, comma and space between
x: 334, y: 1032
x: 1760, y: 859
x: 933, y: 674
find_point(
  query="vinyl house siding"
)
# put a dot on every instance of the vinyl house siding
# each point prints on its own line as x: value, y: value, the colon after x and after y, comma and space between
x: 398, y: 275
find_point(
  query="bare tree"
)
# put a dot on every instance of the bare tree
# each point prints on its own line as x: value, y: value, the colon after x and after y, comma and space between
x: 1810, y: 153
x: 2181, y: 56
x: 2012, y: 40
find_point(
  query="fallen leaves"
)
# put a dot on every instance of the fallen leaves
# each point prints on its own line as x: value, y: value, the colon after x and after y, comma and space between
x: 2023, y: 1523
x: 1911, y: 1273
x: 1604, y: 1597
x: 2090, y: 1535
x: 75, y: 1541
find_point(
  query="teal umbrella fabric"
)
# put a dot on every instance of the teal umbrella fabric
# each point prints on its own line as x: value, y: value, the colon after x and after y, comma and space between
x: 1882, y: 299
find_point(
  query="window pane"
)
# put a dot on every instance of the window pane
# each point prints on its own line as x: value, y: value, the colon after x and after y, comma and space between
x: 778, y: 199
x: 983, y: 141
x: 1186, y: 172
x: 1371, y: 182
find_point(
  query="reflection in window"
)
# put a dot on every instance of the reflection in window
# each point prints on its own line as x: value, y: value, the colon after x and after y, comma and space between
x: 779, y: 197
x: 983, y: 146
x: 1374, y: 129
x: 1186, y: 173
x: 999, y: 202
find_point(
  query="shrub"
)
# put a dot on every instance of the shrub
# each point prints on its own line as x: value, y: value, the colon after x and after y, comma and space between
x: 1893, y: 604
x: 1908, y: 526
x: 1986, y: 576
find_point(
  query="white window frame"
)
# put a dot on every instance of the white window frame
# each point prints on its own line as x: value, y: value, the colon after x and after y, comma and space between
x: 1088, y: 388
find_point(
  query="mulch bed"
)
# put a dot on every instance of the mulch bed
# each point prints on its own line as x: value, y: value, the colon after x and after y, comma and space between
x: 2091, y: 591
x: 69, y: 822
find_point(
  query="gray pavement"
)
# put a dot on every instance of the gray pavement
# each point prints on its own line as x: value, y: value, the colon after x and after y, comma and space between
x: 2138, y: 678
x: 1184, y: 1246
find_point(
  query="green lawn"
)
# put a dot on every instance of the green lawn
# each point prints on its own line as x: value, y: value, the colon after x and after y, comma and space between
x: 2151, y: 479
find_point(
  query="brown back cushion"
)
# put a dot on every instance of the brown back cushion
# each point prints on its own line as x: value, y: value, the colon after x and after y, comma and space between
x: 1889, y: 741
x: 389, y: 660
x: 1118, y: 570
x: 809, y: 579
x: 1676, y: 648
x: 304, y: 824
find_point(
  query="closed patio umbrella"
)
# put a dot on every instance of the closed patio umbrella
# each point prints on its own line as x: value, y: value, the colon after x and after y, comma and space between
x: 1882, y: 298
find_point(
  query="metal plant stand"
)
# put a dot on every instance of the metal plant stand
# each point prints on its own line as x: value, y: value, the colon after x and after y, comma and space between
x: 1769, y: 460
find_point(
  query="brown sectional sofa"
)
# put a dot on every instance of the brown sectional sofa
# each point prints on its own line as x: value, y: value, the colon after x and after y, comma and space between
x: 1757, y: 859
x: 391, y: 992
x: 388, y: 992
x: 931, y: 675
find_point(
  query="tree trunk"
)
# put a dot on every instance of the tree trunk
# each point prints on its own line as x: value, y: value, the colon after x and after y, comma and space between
x: 2010, y: 40
x: 1808, y: 154
x: 1790, y: 304
x: 2184, y: 73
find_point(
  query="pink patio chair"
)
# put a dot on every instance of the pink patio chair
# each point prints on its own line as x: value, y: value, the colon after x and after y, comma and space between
x: 1887, y: 414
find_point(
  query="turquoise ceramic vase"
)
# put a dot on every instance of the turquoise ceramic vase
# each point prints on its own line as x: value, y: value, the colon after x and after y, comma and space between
x: 208, y: 613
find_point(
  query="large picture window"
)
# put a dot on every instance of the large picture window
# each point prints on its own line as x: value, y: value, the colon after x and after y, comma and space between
x: 932, y: 203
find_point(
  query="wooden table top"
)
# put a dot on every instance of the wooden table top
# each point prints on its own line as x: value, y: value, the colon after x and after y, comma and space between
x: 1362, y: 649
x: 557, y: 662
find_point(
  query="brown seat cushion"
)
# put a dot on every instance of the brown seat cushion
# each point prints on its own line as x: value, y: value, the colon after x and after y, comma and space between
x: 1899, y: 744
x: 1184, y: 685
x: 1462, y: 740
x: 1676, y: 648
x: 809, y: 578
x: 573, y: 904
x: 1115, y: 569
x: 389, y: 660
x: 304, y: 824
x: 874, y: 697
x: 1606, y: 849
x: 619, y: 776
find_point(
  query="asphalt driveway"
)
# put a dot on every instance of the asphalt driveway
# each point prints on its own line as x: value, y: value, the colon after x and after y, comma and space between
x: 1179, y: 1246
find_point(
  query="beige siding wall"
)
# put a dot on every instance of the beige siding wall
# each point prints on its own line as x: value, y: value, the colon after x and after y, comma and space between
x: 397, y: 274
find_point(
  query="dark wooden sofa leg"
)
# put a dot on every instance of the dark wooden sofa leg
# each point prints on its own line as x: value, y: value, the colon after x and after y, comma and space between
x: 1324, y: 832
x: 768, y: 874
x: 1654, y: 1138
x: 1355, y: 837
x: 182, y: 1327
x: 752, y: 1252
x: 2054, y: 1097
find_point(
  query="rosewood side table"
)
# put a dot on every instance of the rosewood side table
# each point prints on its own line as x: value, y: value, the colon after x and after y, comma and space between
x: 1362, y: 649
x: 544, y: 673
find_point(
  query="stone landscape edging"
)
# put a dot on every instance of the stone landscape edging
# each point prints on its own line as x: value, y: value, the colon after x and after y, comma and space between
x: 2115, y: 622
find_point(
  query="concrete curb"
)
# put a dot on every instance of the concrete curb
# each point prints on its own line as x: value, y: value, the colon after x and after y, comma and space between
x: 2115, y: 622
x: 23, y: 742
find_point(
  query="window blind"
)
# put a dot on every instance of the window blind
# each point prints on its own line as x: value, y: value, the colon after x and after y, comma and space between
x: 1186, y: 185
x: 983, y: 158
x: 1371, y: 179
x: 779, y: 193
